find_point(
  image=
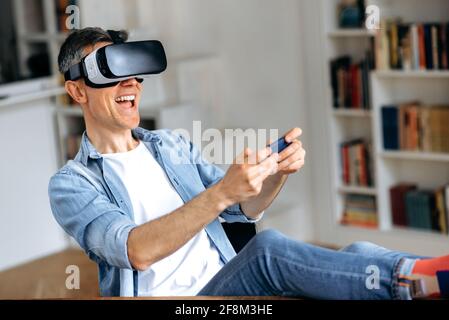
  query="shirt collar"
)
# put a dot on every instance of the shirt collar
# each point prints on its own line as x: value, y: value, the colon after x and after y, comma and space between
x: 87, y: 149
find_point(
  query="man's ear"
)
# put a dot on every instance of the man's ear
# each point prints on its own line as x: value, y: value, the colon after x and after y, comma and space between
x: 76, y: 91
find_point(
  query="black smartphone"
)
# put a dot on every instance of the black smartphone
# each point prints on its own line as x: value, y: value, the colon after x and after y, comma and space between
x: 279, y: 145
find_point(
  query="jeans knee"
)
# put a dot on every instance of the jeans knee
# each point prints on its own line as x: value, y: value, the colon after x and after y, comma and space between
x: 268, y: 238
x: 359, y: 247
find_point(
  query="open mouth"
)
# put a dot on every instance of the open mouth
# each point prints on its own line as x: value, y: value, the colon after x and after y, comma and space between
x: 126, y: 101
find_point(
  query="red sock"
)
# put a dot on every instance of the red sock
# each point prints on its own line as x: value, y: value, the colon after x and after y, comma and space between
x: 431, y: 266
x: 426, y: 270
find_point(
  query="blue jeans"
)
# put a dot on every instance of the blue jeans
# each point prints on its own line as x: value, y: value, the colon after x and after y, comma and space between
x: 272, y: 264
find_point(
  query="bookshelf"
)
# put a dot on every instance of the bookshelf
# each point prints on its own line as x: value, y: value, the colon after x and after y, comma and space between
x: 443, y: 74
x: 426, y: 169
x: 348, y: 33
x: 351, y: 113
x: 39, y: 29
x: 415, y: 155
x: 357, y: 190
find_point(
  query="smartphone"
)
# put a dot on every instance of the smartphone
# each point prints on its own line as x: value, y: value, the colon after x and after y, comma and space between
x: 279, y: 145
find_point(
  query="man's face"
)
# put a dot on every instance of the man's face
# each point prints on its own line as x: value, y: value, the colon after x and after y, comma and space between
x: 111, y: 107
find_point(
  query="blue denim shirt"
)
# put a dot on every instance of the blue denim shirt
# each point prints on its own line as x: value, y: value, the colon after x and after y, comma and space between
x: 92, y: 205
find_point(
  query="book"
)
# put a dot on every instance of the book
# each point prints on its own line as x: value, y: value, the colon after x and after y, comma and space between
x: 365, y: 70
x: 355, y: 162
x: 360, y: 210
x: 428, y: 46
x: 404, y: 47
x: 446, y: 47
x: 390, y: 127
x: 435, y: 47
x: 440, y: 207
x: 443, y: 47
x: 415, y: 127
x: 442, y: 129
x: 382, y: 47
x: 446, y: 201
x: 363, y: 169
x: 397, y: 200
x: 394, y: 45
x: 421, y: 48
x: 338, y: 67
x: 425, y: 130
x: 412, y: 128
x: 420, y: 209
x: 412, y: 46
x: 437, y: 127
x: 350, y: 82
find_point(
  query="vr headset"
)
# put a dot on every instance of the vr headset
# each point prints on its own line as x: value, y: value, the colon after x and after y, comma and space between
x: 107, y: 66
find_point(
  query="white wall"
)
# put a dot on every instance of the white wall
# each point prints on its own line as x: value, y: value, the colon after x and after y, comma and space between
x: 319, y: 152
x: 28, y: 159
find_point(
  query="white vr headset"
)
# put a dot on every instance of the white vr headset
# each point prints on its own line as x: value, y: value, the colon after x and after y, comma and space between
x: 107, y: 66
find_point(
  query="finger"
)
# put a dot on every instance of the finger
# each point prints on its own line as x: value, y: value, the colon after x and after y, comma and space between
x: 298, y: 155
x: 294, y: 167
x: 292, y: 134
x: 268, y: 167
x: 266, y: 173
x: 259, y: 156
x: 243, y: 157
x: 263, y: 154
x: 290, y: 150
x: 261, y: 168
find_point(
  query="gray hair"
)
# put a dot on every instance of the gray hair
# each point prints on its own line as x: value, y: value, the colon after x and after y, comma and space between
x: 72, y: 50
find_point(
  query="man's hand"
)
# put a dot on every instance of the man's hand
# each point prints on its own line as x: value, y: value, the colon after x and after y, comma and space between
x: 245, y: 177
x: 292, y: 158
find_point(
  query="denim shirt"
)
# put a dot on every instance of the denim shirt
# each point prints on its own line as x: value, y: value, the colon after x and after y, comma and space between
x: 92, y: 205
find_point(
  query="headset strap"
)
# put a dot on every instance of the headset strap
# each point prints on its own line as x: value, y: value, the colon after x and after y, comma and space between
x: 75, y: 72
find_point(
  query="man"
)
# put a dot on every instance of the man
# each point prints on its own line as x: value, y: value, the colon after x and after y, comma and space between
x: 152, y: 224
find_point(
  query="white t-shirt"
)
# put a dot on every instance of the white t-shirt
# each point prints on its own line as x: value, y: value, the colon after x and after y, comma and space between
x: 186, y: 271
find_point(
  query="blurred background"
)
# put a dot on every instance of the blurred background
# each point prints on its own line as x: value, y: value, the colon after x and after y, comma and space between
x: 372, y: 104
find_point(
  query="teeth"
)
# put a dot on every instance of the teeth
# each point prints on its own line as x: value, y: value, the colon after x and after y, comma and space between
x: 125, y: 98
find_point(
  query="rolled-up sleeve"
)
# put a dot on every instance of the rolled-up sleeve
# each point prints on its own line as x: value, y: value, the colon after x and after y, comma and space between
x: 100, y: 227
x: 235, y: 213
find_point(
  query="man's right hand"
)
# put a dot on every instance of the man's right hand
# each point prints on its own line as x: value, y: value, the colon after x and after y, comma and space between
x: 245, y: 177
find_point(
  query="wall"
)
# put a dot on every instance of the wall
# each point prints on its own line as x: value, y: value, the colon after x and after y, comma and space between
x: 319, y: 152
x: 28, y: 159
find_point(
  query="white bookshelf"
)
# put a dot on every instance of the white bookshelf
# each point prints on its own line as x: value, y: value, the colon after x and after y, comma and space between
x: 357, y: 190
x: 428, y: 170
x: 352, y: 113
x: 354, y: 33
x: 36, y: 25
x: 443, y: 74
x: 412, y: 155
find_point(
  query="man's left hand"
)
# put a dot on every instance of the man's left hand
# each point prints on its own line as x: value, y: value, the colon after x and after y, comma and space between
x: 292, y: 158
